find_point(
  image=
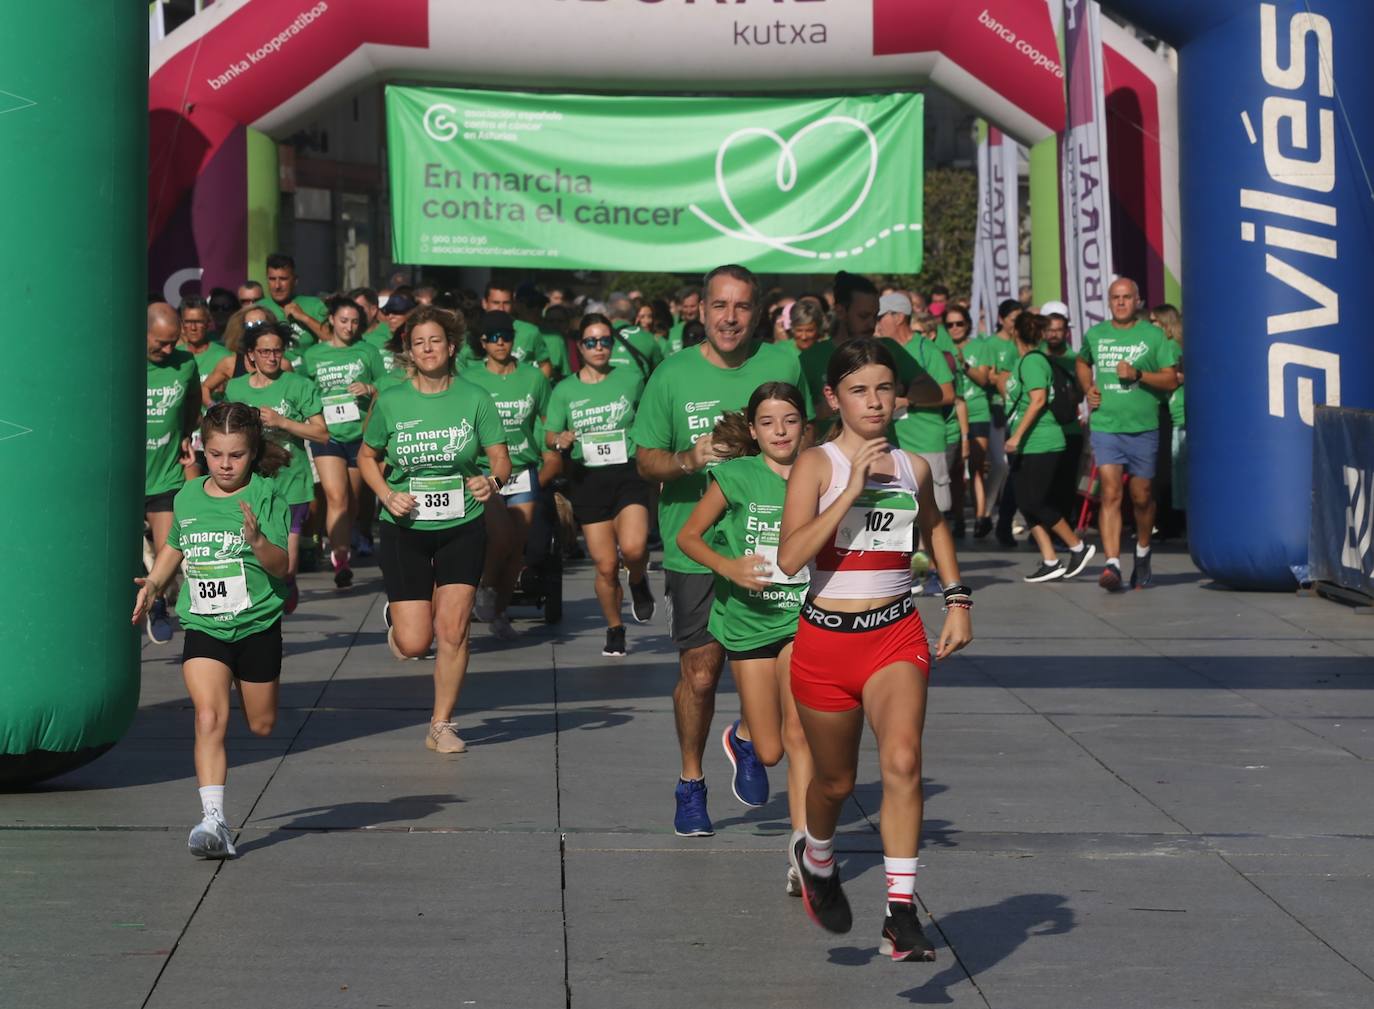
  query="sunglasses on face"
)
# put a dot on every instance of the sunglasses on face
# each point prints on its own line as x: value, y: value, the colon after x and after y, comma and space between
x: 498, y: 337
x: 268, y: 351
x: 592, y: 342
x: 951, y: 324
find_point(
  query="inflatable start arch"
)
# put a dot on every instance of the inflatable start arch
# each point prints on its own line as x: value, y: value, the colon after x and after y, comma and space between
x: 1275, y: 108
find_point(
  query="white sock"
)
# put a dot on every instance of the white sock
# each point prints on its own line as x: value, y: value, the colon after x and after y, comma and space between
x: 212, y: 801
x: 1078, y: 549
x: 1142, y: 551
x: 901, y: 879
x: 1114, y: 562
x: 819, y: 856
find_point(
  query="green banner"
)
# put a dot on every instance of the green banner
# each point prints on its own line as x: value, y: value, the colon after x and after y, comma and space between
x: 794, y: 185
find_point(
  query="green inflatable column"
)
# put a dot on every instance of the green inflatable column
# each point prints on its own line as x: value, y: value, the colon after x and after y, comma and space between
x: 73, y: 156
x: 1044, y: 214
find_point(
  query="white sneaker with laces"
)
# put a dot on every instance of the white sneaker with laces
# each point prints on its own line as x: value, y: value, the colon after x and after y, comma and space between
x: 485, y: 606
x: 211, y: 839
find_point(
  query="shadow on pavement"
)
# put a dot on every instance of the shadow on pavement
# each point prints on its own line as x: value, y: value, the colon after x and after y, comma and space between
x: 349, y: 816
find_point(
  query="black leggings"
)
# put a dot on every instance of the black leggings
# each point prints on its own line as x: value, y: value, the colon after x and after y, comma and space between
x: 1033, y: 476
x: 1066, y: 477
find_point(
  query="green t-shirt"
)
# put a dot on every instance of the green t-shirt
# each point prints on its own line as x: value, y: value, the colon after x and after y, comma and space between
x: 295, y: 398
x: 313, y: 307
x: 741, y: 618
x: 1130, y: 408
x: 788, y: 345
x: 1033, y: 371
x: 557, y: 350
x: 1177, y: 411
x: 168, y: 386
x: 530, y: 347
x: 432, y: 443
x: 604, y: 409
x: 222, y: 572
x: 334, y: 369
x: 975, y: 354
x: 206, y: 360
x: 641, y: 340
x: 683, y: 399
x: 1003, y: 357
x: 1068, y: 363
x: 922, y: 429
x: 379, y: 336
x: 521, y: 398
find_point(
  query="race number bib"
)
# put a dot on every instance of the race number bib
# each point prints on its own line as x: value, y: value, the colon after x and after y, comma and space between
x: 520, y: 483
x: 879, y: 520
x: 437, y: 498
x: 217, y: 587
x: 605, y: 448
x: 340, y: 408
x: 770, y: 553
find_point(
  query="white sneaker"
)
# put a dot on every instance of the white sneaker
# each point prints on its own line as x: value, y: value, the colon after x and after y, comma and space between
x: 794, y: 884
x: 485, y: 606
x: 501, y: 628
x: 210, y: 839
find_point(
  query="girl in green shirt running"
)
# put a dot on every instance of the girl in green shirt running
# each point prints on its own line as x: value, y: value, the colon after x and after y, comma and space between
x: 229, y: 529
x: 754, y: 615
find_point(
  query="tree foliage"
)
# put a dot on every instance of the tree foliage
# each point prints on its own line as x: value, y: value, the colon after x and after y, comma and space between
x: 951, y: 220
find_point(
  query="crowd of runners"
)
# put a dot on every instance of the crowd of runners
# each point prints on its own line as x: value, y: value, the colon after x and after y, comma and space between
x: 807, y: 463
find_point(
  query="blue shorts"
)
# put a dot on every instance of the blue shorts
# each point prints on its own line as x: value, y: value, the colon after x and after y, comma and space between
x: 523, y: 497
x: 345, y: 450
x: 1136, y: 452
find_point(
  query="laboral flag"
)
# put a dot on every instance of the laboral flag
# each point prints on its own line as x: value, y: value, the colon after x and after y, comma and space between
x: 997, y: 242
x: 783, y: 185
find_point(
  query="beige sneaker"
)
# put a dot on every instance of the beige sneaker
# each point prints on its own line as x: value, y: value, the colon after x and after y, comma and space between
x: 442, y: 738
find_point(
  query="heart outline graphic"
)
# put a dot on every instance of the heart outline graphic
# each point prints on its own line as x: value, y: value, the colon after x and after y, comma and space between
x: 786, y: 177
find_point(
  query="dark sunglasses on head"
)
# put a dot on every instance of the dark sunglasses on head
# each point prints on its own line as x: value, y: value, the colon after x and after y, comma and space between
x: 498, y: 337
x: 592, y: 342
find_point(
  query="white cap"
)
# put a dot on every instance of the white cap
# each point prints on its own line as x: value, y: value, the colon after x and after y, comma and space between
x: 1055, y: 308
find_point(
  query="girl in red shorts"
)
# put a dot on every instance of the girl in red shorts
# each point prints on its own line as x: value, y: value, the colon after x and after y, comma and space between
x: 853, y: 510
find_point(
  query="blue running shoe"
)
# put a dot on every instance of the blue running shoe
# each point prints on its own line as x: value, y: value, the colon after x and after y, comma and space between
x: 750, y: 783
x: 159, y: 623
x: 691, y: 819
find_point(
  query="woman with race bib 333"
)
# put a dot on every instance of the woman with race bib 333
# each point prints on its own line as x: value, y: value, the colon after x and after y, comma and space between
x: 431, y: 432
x: 854, y: 507
x: 229, y: 531
x: 754, y: 614
x: 590, y: 416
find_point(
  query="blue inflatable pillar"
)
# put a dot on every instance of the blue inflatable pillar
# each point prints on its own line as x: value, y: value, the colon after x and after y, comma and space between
x: 1276, y: 110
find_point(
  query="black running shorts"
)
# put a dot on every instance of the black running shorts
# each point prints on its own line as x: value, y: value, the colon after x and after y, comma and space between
x: 415, y: 561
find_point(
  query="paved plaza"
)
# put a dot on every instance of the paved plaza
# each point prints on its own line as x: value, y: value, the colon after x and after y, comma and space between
x: 1156, y: 799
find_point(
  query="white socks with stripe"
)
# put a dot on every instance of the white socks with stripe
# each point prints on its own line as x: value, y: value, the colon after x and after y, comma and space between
x: 901, y: 879
x: 819, y: 856
x: 212, y: 801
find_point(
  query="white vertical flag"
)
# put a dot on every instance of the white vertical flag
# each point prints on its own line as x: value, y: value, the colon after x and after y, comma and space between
x: 997, y: 248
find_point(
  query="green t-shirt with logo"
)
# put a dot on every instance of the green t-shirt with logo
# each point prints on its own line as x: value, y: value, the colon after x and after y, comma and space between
x: 223, y: 578
x: 169, y: 384
x: 641, y: 340
x: 1129, y: 408
x: 521, y: 398
x: 605, y: 410
x: 922, y: 429
x: 672, y: 343
x: 379, y: 336
x: 313, y: 307
x: 974, y: 353
x: 683, y: 399
x: 1033, y: 371
x: 1067, y: 362
x: 206, y: 360
x: 530, y: 347
x: 1003, y: 356
x: 334, y: 369
x: 556, y: 349
x: 295, y: 398
x: 432, y: 443
x: 742, y: 618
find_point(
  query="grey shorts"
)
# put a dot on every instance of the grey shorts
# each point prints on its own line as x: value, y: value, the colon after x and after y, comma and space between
x: 1137, y: 453
x: 689, y: 598
x: 939, y: 475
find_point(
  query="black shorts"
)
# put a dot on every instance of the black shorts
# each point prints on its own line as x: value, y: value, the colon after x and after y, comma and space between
x: 254, y: 659
x: 345, y: 450
x: 769, y: 651
x: 599, y: 493
x: 689, y: 598
x: 415, y: 561
x: 1033, y: 479
x: 980, y: 429
x: 158, y: 502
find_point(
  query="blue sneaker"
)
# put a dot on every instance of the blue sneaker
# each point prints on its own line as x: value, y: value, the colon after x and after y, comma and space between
x: 159, y: 623
x: 691, y: 819
x: 750, y: 783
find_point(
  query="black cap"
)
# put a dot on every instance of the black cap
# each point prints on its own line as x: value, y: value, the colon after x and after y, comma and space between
x: 397, y: 304
x: 530, y: 296
x: 497, y: 322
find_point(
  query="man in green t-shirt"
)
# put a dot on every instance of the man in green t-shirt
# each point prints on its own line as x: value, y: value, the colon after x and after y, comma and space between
x: 1126, y: 369
x: 529, y: 345
x: 305, y: 314
x: 688, y: 310
x: 195, y: 338
x: 672, y: 432
x: 173, y: 410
